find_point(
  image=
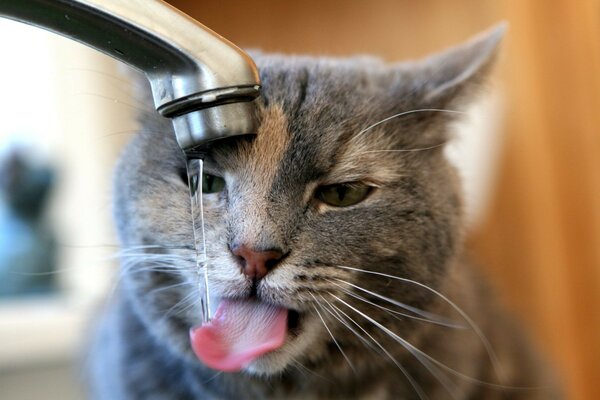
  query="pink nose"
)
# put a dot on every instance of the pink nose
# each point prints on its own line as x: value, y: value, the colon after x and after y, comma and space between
x: 256, y: 264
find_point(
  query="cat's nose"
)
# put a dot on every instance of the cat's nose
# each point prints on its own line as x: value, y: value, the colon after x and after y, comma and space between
x: 256, y: 264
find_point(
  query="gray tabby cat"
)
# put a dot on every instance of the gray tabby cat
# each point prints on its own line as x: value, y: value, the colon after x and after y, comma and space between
x: 334, y: 235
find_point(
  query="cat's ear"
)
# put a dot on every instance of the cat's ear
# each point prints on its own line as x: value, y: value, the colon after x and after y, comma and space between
x: 447, y: 79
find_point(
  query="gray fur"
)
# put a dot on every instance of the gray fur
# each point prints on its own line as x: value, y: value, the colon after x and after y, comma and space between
x: 311, y: 111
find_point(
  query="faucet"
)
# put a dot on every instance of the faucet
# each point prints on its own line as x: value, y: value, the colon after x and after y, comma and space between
x: 201, y: 81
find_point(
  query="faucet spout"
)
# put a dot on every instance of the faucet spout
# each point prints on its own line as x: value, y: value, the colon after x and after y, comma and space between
x: 200, y: 80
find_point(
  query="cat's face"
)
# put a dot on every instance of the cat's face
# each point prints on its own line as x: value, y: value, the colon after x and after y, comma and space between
x: 335, y: 200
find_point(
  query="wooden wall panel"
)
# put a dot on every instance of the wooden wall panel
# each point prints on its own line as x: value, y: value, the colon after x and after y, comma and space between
x: 540, y: 241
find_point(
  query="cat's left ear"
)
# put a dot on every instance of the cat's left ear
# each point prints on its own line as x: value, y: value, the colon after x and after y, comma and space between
x: 447, y: 79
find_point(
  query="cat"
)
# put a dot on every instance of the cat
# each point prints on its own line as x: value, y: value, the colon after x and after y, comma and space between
x: 336, y: 232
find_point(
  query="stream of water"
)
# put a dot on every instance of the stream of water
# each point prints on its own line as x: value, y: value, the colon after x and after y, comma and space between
x: 194, y: 171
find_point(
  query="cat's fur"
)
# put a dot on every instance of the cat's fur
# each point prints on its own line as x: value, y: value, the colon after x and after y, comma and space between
x: 311, y: 113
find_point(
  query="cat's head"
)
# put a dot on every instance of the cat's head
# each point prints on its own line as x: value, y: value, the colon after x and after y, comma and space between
x: 344, y: 187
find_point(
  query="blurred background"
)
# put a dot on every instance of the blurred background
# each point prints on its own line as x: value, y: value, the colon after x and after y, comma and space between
x: 530, y: 155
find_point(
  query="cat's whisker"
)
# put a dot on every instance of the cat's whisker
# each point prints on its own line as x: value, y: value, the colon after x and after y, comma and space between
x: 187, y: 308
x: 413, y: 350
x: 169, y: 287
x: 432, y: 318
x: 186, y: 302
x: 398, y: 314
x: 451, y: 387
x: 164, y: 269
x: 133, y: 272
x: 470, y: 379
x: 153, y: 253
x: 464, y: 376
x: 144, y: 253
x: 421, y: 354
x: 406, y: 150
x: 158, y: 246
x: 297, y: 366
x: 135, y: 266
x: 485, y: 342
x: 335, y: 312
x: 398, y: 115
x: 130, y: 268
x: 167, y: 262
x: 151, y: 256
x: 212, y: 378
x: 402, y: 369
x: 331, y: 334
x: 153, y: 250
x: 139, y: 259
x: 425, y: 315
x: 304, y: 369
x: 158, y: 269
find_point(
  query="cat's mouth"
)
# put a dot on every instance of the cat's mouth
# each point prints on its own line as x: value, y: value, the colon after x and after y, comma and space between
x: 241, y: 331
x: 294, y: 320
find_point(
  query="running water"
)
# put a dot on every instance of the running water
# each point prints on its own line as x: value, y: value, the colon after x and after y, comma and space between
x: 194, y: 172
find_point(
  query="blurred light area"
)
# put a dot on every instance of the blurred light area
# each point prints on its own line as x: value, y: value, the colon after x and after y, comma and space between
x: 68, y: 107
x: 28, y: 75
x: 475, y: 149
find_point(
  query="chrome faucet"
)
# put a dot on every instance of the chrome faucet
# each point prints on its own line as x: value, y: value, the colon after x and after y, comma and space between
x: 200, y: 80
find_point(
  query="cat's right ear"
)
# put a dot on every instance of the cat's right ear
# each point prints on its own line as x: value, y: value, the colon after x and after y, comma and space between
x: 450, y: 78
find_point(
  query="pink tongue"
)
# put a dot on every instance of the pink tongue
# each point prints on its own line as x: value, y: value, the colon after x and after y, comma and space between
x: 241, y: 331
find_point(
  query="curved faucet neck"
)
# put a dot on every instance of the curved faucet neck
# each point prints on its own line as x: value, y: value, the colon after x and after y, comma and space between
x: 198, y: 78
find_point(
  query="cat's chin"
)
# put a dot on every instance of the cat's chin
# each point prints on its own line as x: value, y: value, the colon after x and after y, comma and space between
x: 268, y: 364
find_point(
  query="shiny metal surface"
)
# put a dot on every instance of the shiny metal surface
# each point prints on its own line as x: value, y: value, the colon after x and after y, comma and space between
x: 195, y: 74
x: 213, y: 122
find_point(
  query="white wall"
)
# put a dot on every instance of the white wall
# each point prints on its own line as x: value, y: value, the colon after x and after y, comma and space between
x: 69, y: 106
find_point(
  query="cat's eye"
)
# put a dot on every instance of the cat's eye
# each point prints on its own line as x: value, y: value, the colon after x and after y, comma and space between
x: 212, y: 183
x: 343, y: 194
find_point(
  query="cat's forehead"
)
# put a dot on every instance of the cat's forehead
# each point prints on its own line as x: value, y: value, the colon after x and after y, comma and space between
x: 319, y: 89
x: 309, y: 112
x: 274, y: 147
